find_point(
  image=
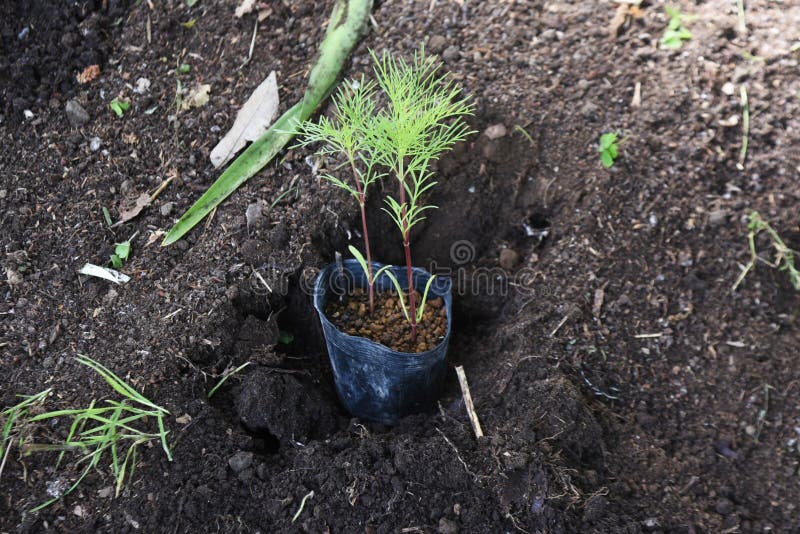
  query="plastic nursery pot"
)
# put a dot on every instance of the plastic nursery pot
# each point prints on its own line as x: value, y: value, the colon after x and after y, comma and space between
x: 375, y: 382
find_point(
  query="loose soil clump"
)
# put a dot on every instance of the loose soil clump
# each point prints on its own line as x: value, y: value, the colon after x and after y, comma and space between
x: 387, y: 325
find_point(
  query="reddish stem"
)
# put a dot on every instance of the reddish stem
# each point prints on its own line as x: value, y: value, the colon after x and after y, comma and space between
x: 412, y: 305
x: 362, y: 202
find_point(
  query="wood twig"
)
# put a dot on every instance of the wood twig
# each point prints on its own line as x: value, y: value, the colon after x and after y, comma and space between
x: 473, y: 417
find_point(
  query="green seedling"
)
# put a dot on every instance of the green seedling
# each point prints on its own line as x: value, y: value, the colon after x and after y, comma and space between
x: 348, y: 21
x: 676, y: 33
x: 423, y: 118
x: 784, y: 256
x: 346, y: 134
x: 608, y: 148
x: 119, y: 107
x: 107, y: 216
x: 121, y: 253
x: 184, y: 68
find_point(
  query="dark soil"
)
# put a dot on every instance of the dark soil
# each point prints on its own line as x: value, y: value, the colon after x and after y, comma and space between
x: 621, y: 384
x: 387, y: 324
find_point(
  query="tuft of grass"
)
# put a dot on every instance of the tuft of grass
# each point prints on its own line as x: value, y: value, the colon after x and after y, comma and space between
x: 784, y: 256
x: 676, y: 33
x: 96, y: 432
x: 608, y: 147
x: 13, y: 423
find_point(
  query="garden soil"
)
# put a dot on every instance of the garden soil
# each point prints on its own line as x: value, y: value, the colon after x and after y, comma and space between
x: 622, y: 384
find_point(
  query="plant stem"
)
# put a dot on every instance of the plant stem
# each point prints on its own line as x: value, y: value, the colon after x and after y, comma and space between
x: 362, y: 200
x: 412, y: 305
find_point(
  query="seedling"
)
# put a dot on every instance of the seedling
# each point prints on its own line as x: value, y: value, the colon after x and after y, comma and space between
x: 406, y: 313
x: 676, y: 33
x: 424, y: 117
x: 225, y: 377
x: 608, y: 148
x: 346, y: 133
x: 119, y: 107
x: 784, y: 256
x: 184, y: 68
x: 121, y: 253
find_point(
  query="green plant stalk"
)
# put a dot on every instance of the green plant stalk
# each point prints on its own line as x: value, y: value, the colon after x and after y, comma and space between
x: 362, y: 202
x: 347, y: 22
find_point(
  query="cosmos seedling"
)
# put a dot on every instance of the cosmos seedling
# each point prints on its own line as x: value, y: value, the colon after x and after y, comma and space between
x: 345, y: 134
x: 608, y: 148
x: 424, y: 118
x: 676, y: 33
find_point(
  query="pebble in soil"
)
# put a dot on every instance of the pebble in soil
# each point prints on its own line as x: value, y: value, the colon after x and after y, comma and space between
x: 387, y: 325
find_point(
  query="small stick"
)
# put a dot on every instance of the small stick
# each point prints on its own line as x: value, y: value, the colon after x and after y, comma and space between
x: 473, y: 417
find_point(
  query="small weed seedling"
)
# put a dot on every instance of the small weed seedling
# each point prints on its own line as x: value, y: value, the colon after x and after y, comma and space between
x: 608, y: 148
x: 119, y: 107
x: 676, y: 33
x: 121, y: 253
x: 784, y: 256
x: 95, y: 430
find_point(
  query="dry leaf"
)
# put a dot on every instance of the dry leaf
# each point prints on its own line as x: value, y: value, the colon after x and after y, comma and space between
x: 244, y: 8
x: 128, y: 211
x: 248, y: 6
x: 198, y: 96
x: 251, y: 122
x: 88, y: 74
x: 185, y: 419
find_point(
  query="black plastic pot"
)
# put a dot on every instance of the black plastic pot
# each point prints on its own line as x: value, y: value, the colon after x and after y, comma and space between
x: 375, y: 382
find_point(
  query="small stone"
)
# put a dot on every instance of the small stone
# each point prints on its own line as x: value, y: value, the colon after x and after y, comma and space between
x: 495, y: 131
x: 728, y: 88
x: 166, y: 208
x: 76, y: 115
x: 28, y: 114
x: 253, y: 213
x: 651, y: 524
x: 3, y: 193
x: 508, y: 259
x: 548, y: 35
x: 724, y: 506
x: 240, y: 461
x: 142, y: 86
x: 436, y: 43
x: 95, y: 143
x: 451, y: 54
x: 447, y: 526
x: 717, y: 217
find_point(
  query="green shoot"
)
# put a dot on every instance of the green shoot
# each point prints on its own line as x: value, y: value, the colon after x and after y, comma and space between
x: 400, y: 294
x: 184, y: 68
x: 225, y: 377
x: 608, y: 148
x: 784, y: 256
x: 110, y: 429
x: 107, y: 216
x: 676, y: 33
x: 346, y: 134
x: 121, y: 253
x: 119, y: 107
x: 424, y: 118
